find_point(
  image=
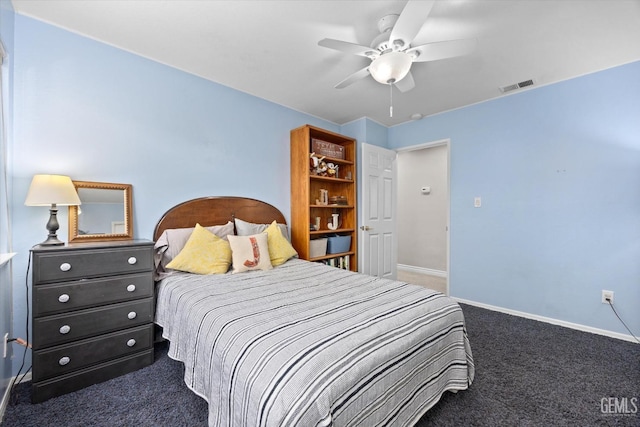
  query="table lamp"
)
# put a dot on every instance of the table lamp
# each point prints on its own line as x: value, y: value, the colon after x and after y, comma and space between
x: 52, y: 190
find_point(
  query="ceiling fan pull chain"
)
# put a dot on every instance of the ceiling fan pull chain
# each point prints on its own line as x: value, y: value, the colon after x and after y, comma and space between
x: 390, y: 99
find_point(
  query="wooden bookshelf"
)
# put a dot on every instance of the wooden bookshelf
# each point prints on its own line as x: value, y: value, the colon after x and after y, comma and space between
x: 306, y: 197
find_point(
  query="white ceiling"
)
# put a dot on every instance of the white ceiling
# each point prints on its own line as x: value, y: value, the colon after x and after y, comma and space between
x: 269, y: 48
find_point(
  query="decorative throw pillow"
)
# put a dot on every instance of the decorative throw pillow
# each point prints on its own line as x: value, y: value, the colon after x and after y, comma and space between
x: 280, y: 250
x: 204, y: 253
x: 244, y: 228
x: 250, y: 252
x: 171, y: 241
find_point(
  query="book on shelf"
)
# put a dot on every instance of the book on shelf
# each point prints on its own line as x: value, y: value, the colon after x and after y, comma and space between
x: 343, y: 262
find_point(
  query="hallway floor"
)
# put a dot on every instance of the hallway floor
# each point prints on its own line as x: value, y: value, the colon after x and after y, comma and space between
x: 436, y: 283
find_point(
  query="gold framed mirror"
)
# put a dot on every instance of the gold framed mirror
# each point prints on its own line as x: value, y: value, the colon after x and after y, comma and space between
x: 105, y: 213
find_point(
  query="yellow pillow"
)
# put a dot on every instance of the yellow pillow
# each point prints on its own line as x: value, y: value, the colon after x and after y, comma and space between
x: 204, y: 253
x: 250, y: 252
x: 280, y: 250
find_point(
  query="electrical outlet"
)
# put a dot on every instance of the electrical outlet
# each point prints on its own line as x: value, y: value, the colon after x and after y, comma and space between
x: 607, y: 296
x: 4, y: 345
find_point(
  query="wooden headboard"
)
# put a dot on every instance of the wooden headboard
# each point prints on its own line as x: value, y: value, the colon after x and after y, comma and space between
x: 208, y: 211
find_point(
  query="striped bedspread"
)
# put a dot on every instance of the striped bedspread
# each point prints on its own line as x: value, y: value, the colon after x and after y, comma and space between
x: 309, y: 345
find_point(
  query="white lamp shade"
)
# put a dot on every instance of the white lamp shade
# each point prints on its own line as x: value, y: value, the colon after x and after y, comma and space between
x: 390, y: 67
x: 46, y: 190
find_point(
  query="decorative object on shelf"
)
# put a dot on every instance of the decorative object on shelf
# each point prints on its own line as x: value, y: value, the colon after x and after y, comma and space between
x: 316, y: 226
x: 332, y: 170
x: 317, y: 164
x: 324, y: 197
x: 333, y: 225
x: 327, y: 149
x: 321, y: 170
x: 52, y: 190
x: 338, y: 211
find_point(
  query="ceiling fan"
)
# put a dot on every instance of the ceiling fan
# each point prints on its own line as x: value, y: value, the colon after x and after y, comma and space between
x: 391, y: 53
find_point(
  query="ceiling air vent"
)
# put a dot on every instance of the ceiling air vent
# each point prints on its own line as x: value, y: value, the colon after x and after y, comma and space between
x: 509, y: 88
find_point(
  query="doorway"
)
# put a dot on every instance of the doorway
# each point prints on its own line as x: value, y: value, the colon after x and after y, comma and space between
x: 423, y: 214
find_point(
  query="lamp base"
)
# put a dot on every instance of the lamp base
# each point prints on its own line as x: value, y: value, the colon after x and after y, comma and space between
x: 52, y: 226
x: 52, y: 241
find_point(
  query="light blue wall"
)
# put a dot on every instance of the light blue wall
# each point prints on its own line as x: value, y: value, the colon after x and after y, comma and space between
x: 366, y: 130
x: 377, y: 134
x: 558, y: 170
x: 97, y: 113
x: 6, y: 297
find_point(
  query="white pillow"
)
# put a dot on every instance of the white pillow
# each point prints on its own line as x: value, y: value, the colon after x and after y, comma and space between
x: 244, y: 228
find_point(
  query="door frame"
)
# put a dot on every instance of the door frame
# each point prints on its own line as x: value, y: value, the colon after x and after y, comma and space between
x: 441, y: 142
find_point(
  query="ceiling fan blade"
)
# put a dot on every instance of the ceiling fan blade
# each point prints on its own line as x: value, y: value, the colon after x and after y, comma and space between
x: 406, y: 84
x: 361, y: 74
x: 347, y: 47
x: 413, y: 16
x: 442, y: 50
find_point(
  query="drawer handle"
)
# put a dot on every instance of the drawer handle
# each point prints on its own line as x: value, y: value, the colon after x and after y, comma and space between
x: 131, y: 342
x: 132, y: 260
x: 131, y: 288
x: 63, y: 298
x: 65, y: 329
x: 64, y: 360
x: 65, y: 266
x: 132, y: 315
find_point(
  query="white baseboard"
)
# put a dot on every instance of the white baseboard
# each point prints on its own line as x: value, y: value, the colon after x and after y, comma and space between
x: 422, y: 270
x: 551, y: 320
x: 7, y: 393
x: 5, y: 399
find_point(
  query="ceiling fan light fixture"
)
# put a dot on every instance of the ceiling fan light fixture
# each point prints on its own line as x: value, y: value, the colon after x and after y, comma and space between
x: 391, y: 67
x: 398, y: 44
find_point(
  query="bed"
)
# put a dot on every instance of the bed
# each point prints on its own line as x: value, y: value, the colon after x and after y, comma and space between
x: 302, y: 343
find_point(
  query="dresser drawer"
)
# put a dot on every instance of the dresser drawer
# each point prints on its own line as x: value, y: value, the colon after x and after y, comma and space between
x: 41, y: 391
x: 78, y: 264
x: 63, y: 328
x: 66, y: 358
x: 67, y: 296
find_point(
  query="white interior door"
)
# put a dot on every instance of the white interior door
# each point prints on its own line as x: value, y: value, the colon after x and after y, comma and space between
x: 377, y: 235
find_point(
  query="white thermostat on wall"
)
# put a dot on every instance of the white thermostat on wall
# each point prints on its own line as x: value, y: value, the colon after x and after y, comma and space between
x: 425, y: 190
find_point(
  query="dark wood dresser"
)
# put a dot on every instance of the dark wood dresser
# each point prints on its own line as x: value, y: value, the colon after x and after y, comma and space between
x: 93, y: 312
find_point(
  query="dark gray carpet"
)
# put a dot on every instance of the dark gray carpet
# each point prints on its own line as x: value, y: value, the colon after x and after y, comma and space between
x: 528, y: 373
